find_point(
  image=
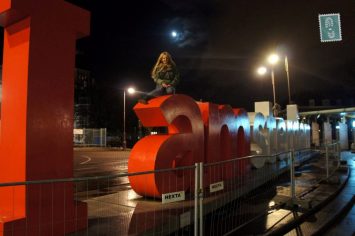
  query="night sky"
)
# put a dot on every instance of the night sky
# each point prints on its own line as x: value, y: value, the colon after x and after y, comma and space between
x: 220, y: 44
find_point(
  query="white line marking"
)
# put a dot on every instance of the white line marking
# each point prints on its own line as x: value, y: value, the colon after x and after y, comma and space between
x: 84, y: 162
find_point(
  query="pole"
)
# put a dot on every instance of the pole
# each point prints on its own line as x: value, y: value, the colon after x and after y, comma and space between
x: 338, y: 153
x: 124, y: 120
x: 273, y: 92
x: 288, y: 80
x: 201, y: 199
x: 292, y: 173
x: 327, y: 160
x: 273, y: 85
x: 197, y: 172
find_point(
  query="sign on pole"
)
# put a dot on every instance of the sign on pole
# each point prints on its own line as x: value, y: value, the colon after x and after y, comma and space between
x: 330, y: 29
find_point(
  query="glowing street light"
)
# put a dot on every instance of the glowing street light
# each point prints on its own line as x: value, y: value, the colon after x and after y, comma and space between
x: 261, y: 70
x: 130, y: 90
x: 273, y: 59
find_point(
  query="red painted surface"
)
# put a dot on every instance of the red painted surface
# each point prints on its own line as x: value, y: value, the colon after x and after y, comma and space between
x: 197, y: 132
x: 243, y: 139
x: 182, y: 146
x: 212, y: 145
x: 37, y: 115
x: 227, y: 135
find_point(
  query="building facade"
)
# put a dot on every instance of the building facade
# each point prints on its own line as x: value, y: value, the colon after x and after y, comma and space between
x: 83, y: 97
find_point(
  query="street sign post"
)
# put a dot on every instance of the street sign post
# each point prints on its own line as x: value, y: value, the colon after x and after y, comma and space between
x: 330, y: 28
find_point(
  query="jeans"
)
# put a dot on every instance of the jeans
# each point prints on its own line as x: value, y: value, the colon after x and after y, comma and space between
x: 160, y: 90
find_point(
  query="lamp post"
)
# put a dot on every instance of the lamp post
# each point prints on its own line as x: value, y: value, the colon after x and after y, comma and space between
x: 288, y: 80
x: 273, y: 59
x: 273, y: 84
x: 263, y: 70
x: 130, y: 91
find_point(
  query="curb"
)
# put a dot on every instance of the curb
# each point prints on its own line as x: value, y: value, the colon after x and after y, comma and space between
x: 337, y: 218
x: 295, y: 223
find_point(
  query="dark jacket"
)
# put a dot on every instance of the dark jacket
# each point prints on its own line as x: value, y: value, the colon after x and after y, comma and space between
x: 167, y: 74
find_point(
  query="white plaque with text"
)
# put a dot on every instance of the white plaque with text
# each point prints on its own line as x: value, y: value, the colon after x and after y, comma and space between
x: 216, y: 187
x: 173, y: 197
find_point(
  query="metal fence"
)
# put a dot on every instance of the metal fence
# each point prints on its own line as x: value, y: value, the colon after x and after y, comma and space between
x: 90, y: 137
x: 220, y: 198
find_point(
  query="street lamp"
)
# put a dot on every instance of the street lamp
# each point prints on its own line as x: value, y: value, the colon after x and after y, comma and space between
x: 273, y: 59
x: 288, y: 80
x: 130, y: 90
x: 262, y: 70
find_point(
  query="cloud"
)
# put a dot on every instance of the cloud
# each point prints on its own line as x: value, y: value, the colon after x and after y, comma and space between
x: 191, y: 32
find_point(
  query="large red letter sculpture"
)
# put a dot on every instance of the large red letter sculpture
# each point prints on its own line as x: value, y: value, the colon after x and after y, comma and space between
x: 243, y: 139
x: 37, y: 116
x: 197, y: 132
x: 227, y: 136
x: 182, y: 146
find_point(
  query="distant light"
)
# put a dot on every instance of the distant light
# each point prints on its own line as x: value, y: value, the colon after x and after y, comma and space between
x: 261, y: 70
x: 342, y: 113
x: 273, y: 59
x: 318, y: 116
x: 337, y: 127
x: 174, y: 34
x: 131, y: 90
x: 271, y: 203
x: 353, y: 123
x: 153, y: 132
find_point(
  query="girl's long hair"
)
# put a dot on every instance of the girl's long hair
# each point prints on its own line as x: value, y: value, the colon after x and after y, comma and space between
x: 157, y: 64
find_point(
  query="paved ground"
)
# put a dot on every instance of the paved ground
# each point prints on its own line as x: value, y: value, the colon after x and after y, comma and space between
x: 326, y: 207
x: 345, y: 225
x: 89, y: 162
x: 99, y: 161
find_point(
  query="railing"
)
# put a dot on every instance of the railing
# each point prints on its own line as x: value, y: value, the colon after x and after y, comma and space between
x: 90, y: 137
x: 247, y: 195
x: 213, y: 190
